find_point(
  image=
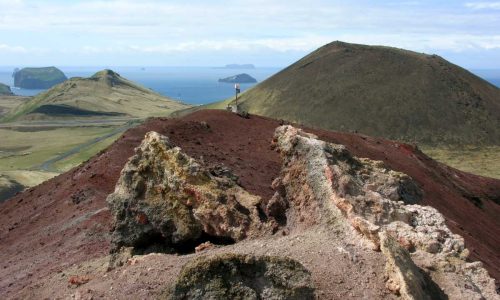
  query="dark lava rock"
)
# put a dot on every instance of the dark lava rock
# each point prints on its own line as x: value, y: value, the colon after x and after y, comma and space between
x: 38, y: 78
x: 235, y: 276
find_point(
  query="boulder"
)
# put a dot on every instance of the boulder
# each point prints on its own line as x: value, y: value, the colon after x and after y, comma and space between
x: 166, y: 199
x: 235, y: 276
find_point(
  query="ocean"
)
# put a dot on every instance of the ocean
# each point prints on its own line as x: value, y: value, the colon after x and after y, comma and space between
x: 193, y: 85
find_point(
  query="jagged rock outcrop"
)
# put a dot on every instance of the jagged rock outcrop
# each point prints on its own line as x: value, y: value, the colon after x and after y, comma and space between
x: 164, y: 198
x: 403, y: 276
x: 321, y: 183
x: 234, y: 276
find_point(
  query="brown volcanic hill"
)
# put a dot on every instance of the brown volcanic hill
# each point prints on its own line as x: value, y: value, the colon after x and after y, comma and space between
x: 65, y: 221
x: 382, y: 91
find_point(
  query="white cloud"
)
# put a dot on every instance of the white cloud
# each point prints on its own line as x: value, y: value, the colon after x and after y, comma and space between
x: 275, y: 27
x: 483, y: 5
x: 428, y: 44
x: 302, y: 44
x: 12, y: 49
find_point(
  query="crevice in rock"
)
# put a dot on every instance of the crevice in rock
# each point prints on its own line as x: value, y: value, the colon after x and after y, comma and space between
x: 189, y: 246
x: 157, y: 244
x: 431, y: 288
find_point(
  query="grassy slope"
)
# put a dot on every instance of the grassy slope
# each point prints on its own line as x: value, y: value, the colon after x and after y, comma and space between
x: 9, y: 102
x: 382, y: 91
x: 106, y: 91
x: 5, y: 90
x: 483, y: 160
x: 86, y: 153
x: 28, y: 178
x: 22, y: 153
x: 26, y: 150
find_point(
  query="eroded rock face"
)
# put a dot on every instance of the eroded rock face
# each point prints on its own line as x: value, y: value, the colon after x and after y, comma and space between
x: 321, y: 183
x: 234, y: 276
x: 167, y: 198
x: 403, y: 276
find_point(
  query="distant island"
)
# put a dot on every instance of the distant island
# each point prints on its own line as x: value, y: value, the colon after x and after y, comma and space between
x: 5, y: 90
x: 240, y: 78
x: 38, y: 78
x: 238, y: 66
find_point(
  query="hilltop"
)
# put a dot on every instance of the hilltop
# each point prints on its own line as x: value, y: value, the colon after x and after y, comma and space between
x: 52, y: 132
x: 381, y: 91
x: 315, y: 212
x: 104, y: 95
x: 38, y: 78
x: 5, y: 90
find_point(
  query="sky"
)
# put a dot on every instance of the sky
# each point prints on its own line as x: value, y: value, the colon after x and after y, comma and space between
x: 218, y: 32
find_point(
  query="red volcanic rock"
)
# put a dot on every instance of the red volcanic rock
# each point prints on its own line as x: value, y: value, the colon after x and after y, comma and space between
x: 66, y: 221
x: 322, y: 183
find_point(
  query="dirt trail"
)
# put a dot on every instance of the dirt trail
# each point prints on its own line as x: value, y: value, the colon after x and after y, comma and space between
x: 48, y: 165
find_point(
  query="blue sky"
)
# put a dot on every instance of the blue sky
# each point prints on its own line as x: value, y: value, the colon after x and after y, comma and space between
x: 266, y: 33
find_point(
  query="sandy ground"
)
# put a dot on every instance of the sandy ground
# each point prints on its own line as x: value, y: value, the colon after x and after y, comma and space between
x: 339, y: 268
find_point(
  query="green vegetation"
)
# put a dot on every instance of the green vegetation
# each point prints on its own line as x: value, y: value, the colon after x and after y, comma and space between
x: 5, y: 90
x: 240, y: 78
x: 38, y: 78
x: 26, y: 150
x: 382, y: 91
x: 28, y: 177
x: 9, y: 102
x: 484, y: 161
x: 83, y: 155
x: 55, y: 131
x: 104, y: 93
x: 26, y: 156
x: 215, y: 105
x: 8, y: 187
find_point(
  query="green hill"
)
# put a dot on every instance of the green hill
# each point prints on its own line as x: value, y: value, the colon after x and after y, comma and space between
x: 105, y: 94
x: 381, y: 91
x: 38, y: 78
x: 5, y: 90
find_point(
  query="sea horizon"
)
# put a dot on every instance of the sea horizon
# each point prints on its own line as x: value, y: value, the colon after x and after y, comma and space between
x: 192, y: 85
x: 188, y: 84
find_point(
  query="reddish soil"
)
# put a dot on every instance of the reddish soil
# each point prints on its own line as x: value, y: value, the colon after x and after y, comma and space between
x: 64, y: 221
